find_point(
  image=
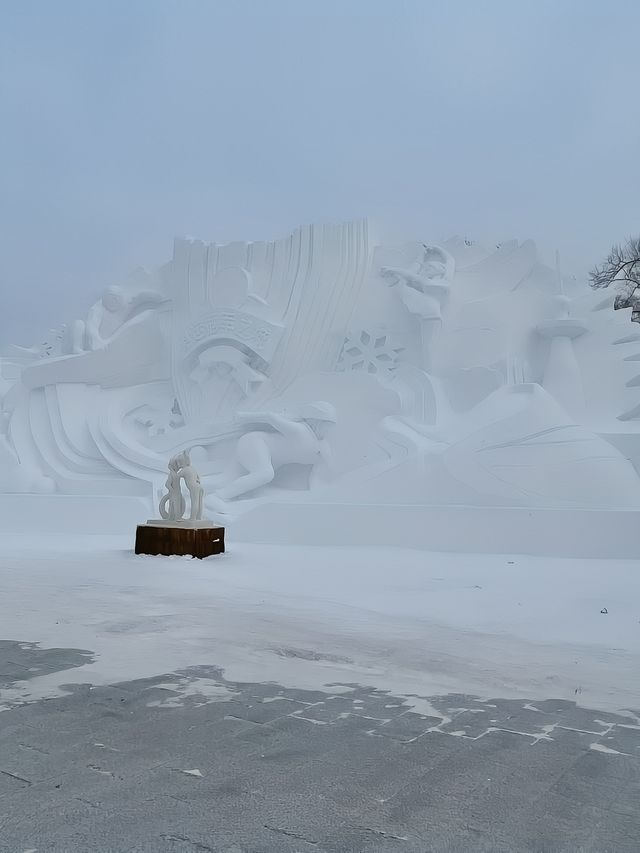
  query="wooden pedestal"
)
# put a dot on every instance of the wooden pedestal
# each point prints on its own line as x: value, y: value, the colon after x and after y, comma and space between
x: 180, y: 541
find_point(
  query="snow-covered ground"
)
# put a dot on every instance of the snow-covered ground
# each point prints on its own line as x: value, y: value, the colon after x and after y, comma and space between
x: 413, y: 622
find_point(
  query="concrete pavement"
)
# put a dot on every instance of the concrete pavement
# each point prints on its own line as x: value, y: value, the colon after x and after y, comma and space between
x: 190, y: 762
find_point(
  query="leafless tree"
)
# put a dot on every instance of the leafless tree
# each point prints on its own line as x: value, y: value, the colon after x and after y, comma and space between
x: 622, y: 268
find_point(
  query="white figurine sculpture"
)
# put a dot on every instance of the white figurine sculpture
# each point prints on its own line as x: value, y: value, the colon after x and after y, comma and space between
x: 192, y: 481
x: 110, y: 313
x: 423, y: 290
x: 180, y: 468
x: 292, y: 440
x: 172, y: 505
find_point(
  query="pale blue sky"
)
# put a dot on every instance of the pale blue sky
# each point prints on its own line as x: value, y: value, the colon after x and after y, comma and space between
x: 126, y: 122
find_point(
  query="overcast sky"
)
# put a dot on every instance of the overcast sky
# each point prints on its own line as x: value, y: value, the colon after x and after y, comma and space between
x: 126, y: 122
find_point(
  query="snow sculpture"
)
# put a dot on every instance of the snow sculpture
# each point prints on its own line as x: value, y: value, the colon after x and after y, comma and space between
x: 192, y: 481
x: 423, y: 290
x: 52, y: 346
x: 180, y: 468
x: 289, y: 439
x: 223, y: 345
x: 110, y: 314
x: 562, y: 374
x: 449, y: 375
x: 518, y: 447
x: 174, y: 499
x: 373, y: 352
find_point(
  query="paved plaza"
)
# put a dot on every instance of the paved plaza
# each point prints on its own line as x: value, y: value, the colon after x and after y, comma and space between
x: 188, y: 762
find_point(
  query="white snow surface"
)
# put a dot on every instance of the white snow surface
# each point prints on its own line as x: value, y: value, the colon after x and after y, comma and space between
x: 412, y: 622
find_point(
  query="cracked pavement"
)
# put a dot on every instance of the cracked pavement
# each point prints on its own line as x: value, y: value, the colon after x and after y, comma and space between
x: 189, y: 761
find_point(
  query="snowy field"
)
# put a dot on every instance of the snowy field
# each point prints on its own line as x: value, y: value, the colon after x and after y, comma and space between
x: 413, y: 622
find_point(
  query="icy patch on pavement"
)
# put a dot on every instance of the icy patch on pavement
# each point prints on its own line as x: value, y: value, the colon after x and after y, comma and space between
x: 205, y: 690
x: 598, y: 747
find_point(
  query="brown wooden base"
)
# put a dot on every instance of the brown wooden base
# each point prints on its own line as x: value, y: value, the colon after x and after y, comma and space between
x: 179, y: 541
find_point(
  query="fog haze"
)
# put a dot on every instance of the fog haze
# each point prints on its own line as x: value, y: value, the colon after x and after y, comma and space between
x: 127, y: 123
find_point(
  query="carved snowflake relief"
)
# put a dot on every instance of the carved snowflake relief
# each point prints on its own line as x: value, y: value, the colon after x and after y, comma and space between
x: 369, y: 352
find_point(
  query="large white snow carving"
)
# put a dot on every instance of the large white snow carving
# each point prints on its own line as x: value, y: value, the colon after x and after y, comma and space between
x: 448, y: 375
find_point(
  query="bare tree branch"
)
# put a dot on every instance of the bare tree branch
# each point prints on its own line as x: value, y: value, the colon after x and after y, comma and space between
x: 622, y: 268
